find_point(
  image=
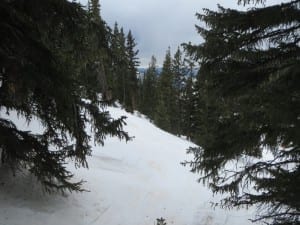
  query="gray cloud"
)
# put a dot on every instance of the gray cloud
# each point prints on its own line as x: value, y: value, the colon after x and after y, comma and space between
x: 157, y: 24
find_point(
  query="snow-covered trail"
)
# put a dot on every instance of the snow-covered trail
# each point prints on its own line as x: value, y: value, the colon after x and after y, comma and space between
x: 129, y: 184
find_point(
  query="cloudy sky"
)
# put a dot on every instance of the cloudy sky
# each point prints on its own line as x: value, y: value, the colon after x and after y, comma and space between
x: 157, y: 24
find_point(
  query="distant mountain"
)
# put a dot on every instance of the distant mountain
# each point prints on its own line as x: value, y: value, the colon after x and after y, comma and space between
x: 143, y: 70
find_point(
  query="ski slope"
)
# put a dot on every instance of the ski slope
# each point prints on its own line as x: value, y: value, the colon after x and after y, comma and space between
x: 128, y: 184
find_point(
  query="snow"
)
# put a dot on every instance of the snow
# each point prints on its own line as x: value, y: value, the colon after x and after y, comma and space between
x: 128, y: 184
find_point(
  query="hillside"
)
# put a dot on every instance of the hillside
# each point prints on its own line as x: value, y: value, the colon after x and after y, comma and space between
x: 128, y: 184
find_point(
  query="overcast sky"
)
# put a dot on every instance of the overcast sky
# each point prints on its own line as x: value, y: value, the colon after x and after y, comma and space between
x: 157, y: 24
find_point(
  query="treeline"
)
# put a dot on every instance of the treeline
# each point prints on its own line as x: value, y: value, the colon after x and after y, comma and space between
x: 168, y: 98
x: 117, y: 71
x: 122, y: 77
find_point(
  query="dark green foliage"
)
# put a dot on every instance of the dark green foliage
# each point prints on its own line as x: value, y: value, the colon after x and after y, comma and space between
x: 189, y: 101
x: 168, y: 98
x: 188, y: 109
x: 172, y: 104
x: 43, y: 76
x: 96, y: 71
x: 148, y: 90
x: 119, y: 64
x: 132, y: 81
x: 122, y: 68
x: 94, y: 10
x: 179, y: 73
x: 162, y: 114
x: 165, y: 93
x: 124, y: 82
x: 161, y: 221
x: 248, y: 106
x: 115, y: 82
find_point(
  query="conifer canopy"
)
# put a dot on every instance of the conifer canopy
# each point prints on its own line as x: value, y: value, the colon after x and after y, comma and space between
x: 248, y: 111
x: 44, y: 52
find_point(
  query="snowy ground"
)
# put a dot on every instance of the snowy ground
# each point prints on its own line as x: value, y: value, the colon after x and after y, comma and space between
x: 129, y: 184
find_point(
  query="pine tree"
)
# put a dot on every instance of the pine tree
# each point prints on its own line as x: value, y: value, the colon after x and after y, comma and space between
x: 179, y: 71
x: 94, y: 10
x: 188, y: 109
x: 149, y: 90
x: 98, y: 66
x: 120, y: 67
x: 249, y: 106
x: 165, y: 93
x: 123, y: 68
x: 161, y: 221
x: 42, y: 64
x: 189, y: 100
x: 123, y: 72
x: 114, y: 47
x: 133, y: 63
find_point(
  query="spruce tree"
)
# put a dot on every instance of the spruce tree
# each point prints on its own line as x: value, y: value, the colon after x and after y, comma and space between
x: 179, y: 71
x: 120, y: 66
x: 115, y: 62
x: 123, y: 80
x: 149, y: 90
x: 115, y: 83
x: 249, y: 108
x: 161, y: 221
x: 189, y: 100
x: 94, y: 9
x: 42, y: 76
x: 165, y: 93
x: 133, y: 63
x: 123, y: 68
x: 98, y: 67
x: 188, y: 109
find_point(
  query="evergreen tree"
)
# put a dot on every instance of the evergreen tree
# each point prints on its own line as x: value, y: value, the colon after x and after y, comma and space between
x: 123, y: 68
x: 249, y: 106
x: 190, y: 96
x: 179, y: 71
x: 133, y: 63
x: 42, y: 64
x: 123, y: 72
x: 162, y: 114
x: 149, y: 90
x: 188, y: 109
x: 114, y: 47
x: 161, y: 221
x: 97, y: 68
x: 119, y: 65
x: 165, y: 92
x: 94, y: 9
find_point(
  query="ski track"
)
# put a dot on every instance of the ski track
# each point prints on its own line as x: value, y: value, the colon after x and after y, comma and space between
x: 128, y: 184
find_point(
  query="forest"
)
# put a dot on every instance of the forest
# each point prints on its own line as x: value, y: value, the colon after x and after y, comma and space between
x: 241, y: 104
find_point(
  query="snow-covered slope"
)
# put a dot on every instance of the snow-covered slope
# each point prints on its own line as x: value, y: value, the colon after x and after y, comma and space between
x: 129, y: 184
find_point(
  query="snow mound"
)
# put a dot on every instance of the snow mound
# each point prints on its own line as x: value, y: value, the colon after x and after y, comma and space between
x: 129, y: 184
